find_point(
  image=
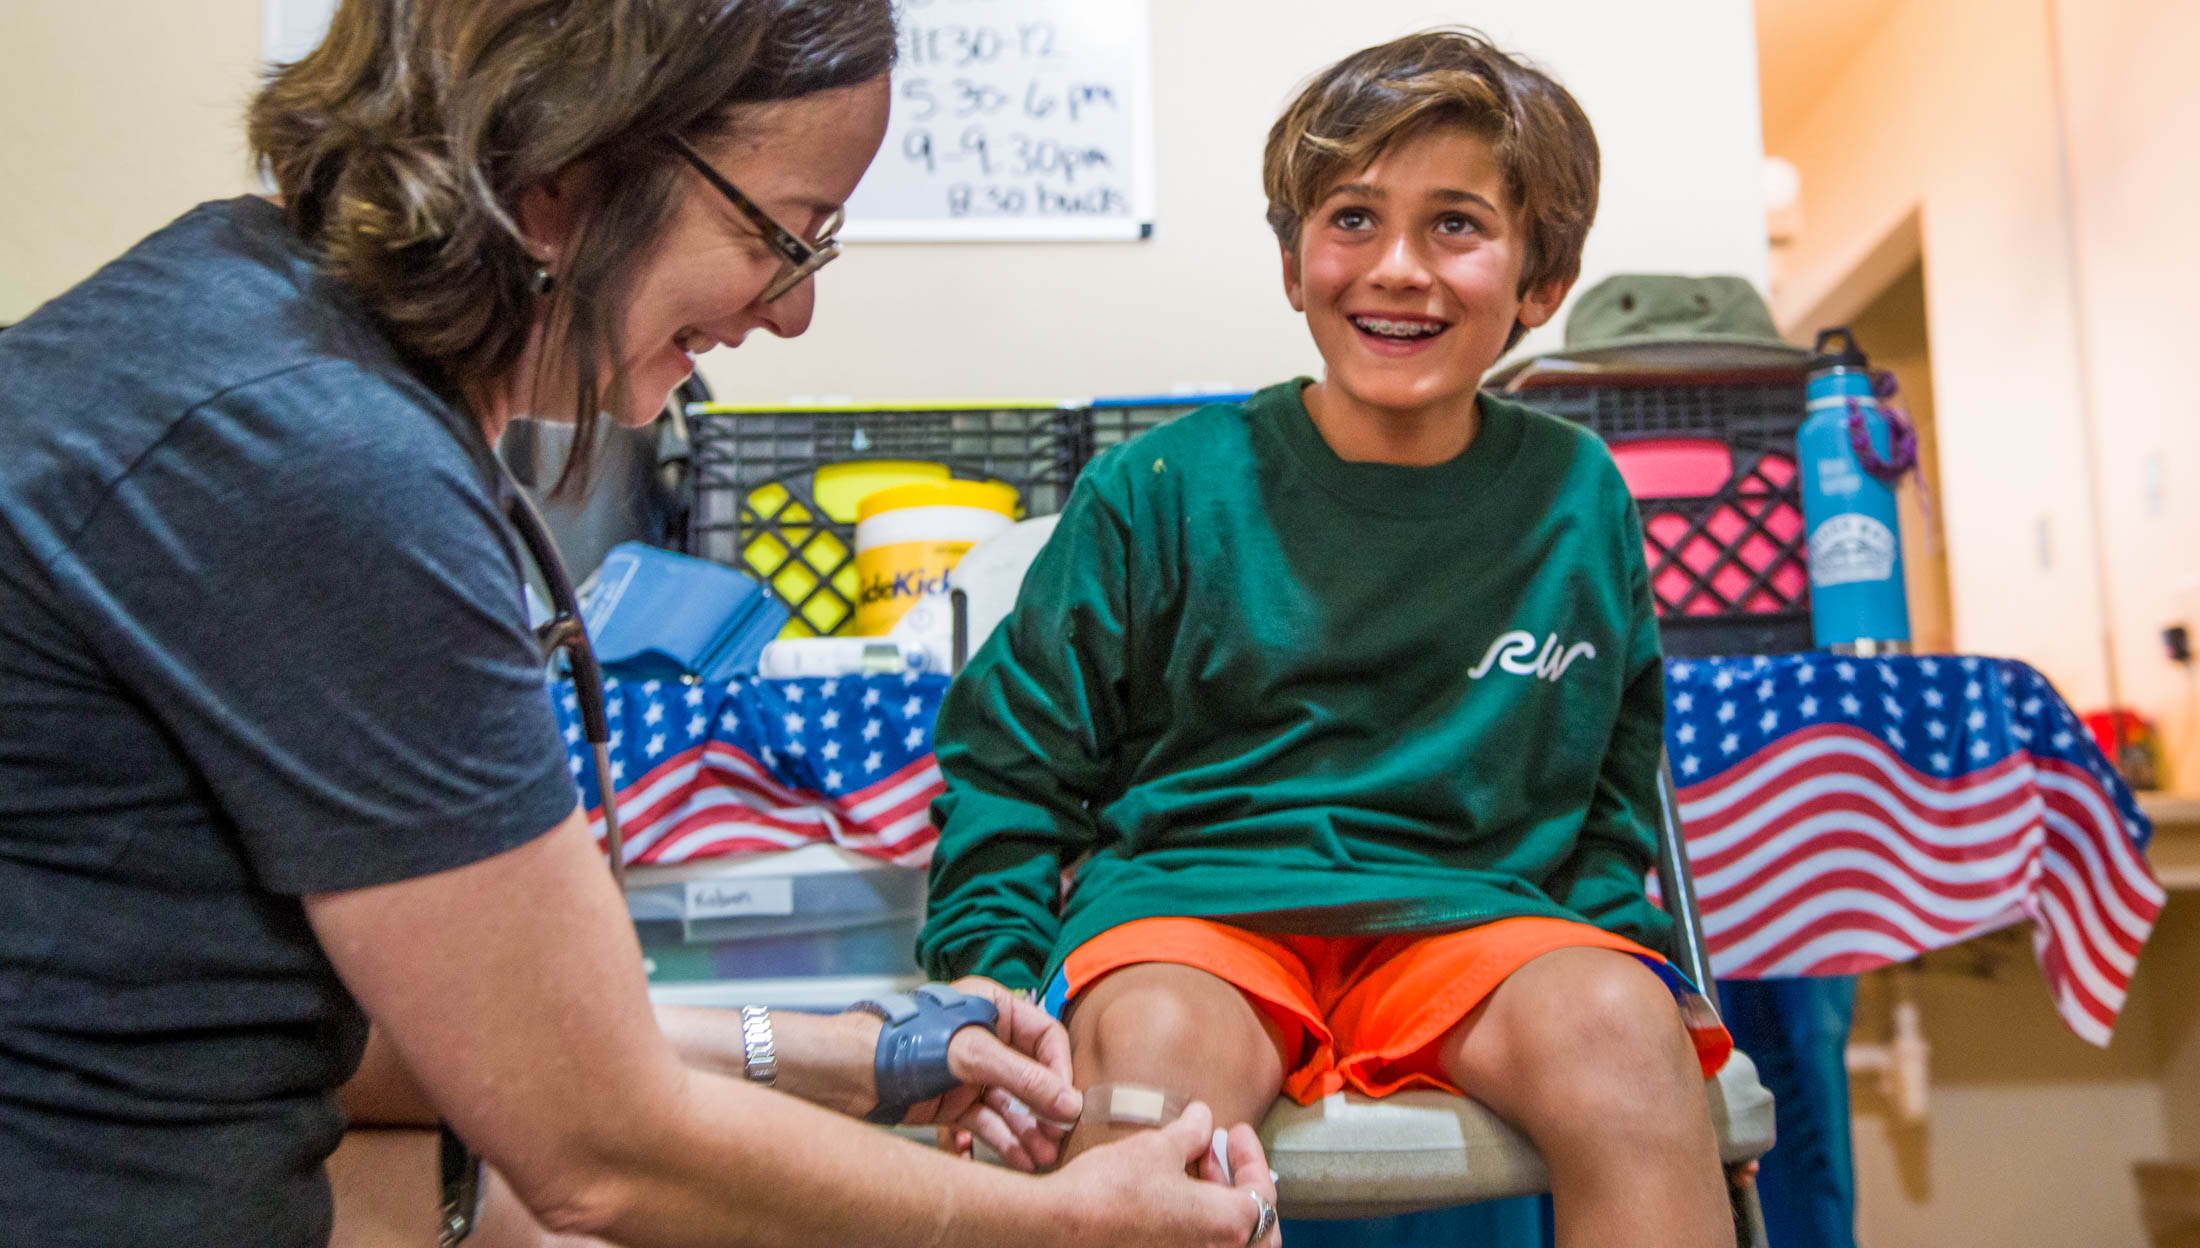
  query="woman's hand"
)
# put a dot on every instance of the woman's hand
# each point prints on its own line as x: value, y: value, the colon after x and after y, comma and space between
x: 1136, y: 1190
x: 829, y: 1060
x: 1016, y: 1093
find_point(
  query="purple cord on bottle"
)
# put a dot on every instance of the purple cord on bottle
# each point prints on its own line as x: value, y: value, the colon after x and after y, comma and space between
x: 1901, y: 434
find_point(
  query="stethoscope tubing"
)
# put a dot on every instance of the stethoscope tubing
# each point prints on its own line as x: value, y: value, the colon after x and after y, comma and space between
x: 565, y: 631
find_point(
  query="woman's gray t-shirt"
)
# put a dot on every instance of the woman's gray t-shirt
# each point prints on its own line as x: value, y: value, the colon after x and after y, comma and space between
x: 261, y: 635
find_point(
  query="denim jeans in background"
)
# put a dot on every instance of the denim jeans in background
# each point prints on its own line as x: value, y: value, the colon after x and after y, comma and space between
x: 1797, y: 1030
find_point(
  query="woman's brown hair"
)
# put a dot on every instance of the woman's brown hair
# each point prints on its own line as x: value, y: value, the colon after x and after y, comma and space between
x: 1363, y: 104
x: 402, y: 144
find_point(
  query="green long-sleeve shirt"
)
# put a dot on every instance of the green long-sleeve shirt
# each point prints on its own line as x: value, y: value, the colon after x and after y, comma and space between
x: 1248, y: 678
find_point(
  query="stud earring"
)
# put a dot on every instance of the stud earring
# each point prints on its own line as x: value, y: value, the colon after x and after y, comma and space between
x: 543, y: 281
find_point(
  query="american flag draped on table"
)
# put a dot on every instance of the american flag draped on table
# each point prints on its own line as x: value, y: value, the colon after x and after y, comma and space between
x: 1843, y: 814
x: 704, y: 771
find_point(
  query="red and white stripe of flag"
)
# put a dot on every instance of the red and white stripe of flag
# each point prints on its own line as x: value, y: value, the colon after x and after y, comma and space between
x: 1827, y: 854
x: 715, y: 800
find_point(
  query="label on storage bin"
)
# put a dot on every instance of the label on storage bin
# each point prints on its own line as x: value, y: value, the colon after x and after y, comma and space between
x: 730, y: 899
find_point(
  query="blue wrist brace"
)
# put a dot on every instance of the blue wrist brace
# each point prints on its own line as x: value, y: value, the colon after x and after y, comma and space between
x: 911, y: 1065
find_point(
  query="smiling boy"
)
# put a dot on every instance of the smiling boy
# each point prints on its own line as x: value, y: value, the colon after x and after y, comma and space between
x: 1345, y: 703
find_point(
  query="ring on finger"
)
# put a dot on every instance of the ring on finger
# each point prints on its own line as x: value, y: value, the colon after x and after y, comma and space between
x: 1264, y: 1219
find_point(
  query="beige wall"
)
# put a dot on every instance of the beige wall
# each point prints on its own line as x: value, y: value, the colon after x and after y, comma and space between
x: 120, y: 114
x: 2055, y: 308
x: 2172, y: 957
x: 2031, y: 1131
x: 2134, y: 121
x: 2013, y: 1165
x: 136, y: 102
x: 1202, y: 303
x: 1947, y: 114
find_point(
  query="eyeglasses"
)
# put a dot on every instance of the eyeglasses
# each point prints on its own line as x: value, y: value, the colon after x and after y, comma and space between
x: 799, y: 259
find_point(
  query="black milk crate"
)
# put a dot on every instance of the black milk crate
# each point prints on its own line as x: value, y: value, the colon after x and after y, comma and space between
x: 756, y: 474
x: 1111, y: 422
x: 1727, y: 546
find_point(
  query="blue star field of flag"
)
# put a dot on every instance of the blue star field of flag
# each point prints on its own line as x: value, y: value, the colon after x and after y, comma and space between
x: 824, y: 735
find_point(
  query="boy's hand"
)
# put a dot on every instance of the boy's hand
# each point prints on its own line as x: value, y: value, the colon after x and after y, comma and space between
x: 1137, y: 1190
x: 1020, y: 1067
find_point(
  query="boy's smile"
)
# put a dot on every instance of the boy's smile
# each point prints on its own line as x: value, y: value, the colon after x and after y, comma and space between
x: 1408, y: 272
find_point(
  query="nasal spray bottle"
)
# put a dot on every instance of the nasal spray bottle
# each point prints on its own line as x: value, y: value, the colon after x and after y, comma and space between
x: 1850, y: 453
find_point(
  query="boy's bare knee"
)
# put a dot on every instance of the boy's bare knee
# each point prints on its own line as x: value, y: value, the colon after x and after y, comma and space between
x: 1591, y: 1035
x: 1158, y: 1020
x: 1616, y: 1007
x: 1178, y: 1029
x: 1181, y: 1030
x: 1133, y: 1026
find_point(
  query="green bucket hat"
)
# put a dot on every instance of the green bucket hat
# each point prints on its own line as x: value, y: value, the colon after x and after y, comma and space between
x: 1656, y: 322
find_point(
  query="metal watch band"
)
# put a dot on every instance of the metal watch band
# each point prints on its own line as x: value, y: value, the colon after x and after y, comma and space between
x: 759, y: 1061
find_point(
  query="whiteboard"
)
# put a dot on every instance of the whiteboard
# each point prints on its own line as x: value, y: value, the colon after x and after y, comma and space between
x: 1012, y: 120
x: 1015, y: 120
x: 291, y: 28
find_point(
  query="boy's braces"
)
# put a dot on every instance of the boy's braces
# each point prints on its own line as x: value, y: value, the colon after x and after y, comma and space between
x: 1400, y: 329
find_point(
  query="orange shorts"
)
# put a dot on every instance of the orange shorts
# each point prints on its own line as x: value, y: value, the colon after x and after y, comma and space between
x: 1365, y: 1012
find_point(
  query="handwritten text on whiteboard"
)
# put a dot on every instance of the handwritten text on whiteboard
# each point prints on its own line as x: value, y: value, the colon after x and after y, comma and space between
x: 1023, y: 114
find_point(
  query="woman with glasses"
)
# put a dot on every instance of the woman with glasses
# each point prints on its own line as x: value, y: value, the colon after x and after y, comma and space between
x: 275, y: 756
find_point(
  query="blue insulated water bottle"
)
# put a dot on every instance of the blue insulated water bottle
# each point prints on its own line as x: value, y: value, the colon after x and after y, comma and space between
x: 1849, y: 455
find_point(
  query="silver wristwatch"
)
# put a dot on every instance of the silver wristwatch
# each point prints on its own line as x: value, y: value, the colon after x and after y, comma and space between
x: 759, y: 1061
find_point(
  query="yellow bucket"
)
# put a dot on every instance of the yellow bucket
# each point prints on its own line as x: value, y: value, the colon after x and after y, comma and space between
x: 909, y: 537
x: 793, y: 555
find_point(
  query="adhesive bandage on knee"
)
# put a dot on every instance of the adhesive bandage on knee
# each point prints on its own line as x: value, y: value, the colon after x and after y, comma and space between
x: 1136, y: 1105
x: 1130, y: 1105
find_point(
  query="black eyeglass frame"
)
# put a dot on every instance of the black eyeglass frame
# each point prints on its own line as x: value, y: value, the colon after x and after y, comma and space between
x: 801, y: 259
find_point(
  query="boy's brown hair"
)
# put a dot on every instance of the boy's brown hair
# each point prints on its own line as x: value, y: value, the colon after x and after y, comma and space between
x: 1355, y: 109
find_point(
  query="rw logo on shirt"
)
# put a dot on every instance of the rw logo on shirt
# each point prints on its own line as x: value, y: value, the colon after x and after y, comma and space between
x: 1513, y: 650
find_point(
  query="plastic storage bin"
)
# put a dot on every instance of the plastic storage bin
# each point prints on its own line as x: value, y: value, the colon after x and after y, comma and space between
x: 815, y: 911
x: 756, y: 472
x: 1110, y: 422
x: 1711, y: 463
